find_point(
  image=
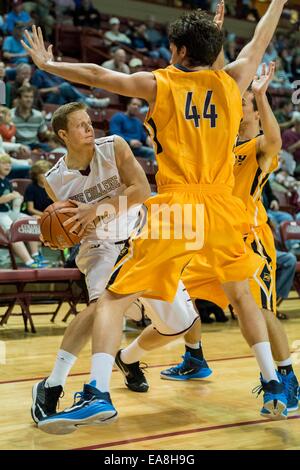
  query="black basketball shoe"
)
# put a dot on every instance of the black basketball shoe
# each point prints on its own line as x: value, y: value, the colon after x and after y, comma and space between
x: 134, y: 376
x: 44, y: 400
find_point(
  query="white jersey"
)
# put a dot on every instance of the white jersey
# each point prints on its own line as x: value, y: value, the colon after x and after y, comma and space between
x: 100, y: 182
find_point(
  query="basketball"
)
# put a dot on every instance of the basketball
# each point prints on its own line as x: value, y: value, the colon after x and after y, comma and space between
x: 52, y: 228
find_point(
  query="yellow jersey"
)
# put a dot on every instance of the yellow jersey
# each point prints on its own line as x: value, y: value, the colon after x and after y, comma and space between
x: 194, y: 125
x: 250, y: 181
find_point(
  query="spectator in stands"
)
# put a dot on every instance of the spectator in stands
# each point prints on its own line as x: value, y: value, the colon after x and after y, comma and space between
x: 7, y: 84
x: 17, y: 15
x: 22, y: 164
x: 248, y: 11
x: 270, y: 55
x: 230, y: 47
x: 271, y: 204
x: 23, y: 78
x: 285, y: 273
x: 1, y: 24
x: 287, y: 58
x: 291, y: 140
x: 64, y: 7
x: 284, y: 114
x: 114, y: 36
x: 129, y: 126
x: 281, y: 79
x: 87, y: 15
x: 44, y: 16
x: 12, y: 48
x: 36, y: 198
x: 296, y: 66
x: 159, y: 43
x: 55, y: 144
x: 29, y: 122
x: 7, y: 127
x: 10, y: 203
x: 135, y: 65
x: 56, y: 90
x: 140, y: 41
x: 118, y: 62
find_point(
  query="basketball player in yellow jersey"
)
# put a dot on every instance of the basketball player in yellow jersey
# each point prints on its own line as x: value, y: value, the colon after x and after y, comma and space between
x: 255, y: 158
x: 195, y: 112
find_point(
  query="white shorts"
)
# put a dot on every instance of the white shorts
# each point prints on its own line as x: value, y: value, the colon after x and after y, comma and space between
x: 175, y: 318
x: 96, y: 262
x: 7, y: 218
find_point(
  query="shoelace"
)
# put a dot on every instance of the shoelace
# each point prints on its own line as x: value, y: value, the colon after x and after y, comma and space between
x: 141, y: 369
x: 182, y: 365
x: 258, y: 389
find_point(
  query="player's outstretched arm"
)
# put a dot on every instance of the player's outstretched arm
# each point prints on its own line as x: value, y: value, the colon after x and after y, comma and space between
x: 245, y: 66
x: 268, y: 144
x: 141, y: 84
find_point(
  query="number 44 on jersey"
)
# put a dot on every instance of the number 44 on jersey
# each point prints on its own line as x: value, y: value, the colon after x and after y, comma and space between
x: 209, y: 110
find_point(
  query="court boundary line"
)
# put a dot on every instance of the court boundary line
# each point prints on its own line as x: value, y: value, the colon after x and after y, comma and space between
x: 180, y: 433
x: 78, y: 374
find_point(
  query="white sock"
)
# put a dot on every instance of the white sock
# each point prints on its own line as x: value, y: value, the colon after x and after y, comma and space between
x: 63, y: 364
x: 28, y: 263
x: 35, y: 254
x: 193, y: 345
x: 263, y: 354
x: 102, y: 365
x: 286, y: 362
x: 133, y: 353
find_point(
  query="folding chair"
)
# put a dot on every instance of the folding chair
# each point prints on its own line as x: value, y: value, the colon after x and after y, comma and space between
x: 25, y: 230
x: 20, y: 184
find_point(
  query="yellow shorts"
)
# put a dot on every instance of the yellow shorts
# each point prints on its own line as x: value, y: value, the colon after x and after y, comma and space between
x: 201, y: 284
x: 208, y: 220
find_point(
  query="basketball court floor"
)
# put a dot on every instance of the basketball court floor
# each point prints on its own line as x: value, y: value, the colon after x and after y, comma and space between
x: 217, y: 413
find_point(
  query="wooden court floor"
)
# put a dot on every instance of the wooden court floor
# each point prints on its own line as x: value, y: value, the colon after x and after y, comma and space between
x: 217, y: 413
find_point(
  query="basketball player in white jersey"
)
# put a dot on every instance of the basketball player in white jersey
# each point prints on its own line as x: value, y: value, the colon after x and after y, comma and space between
x: 95, y: 172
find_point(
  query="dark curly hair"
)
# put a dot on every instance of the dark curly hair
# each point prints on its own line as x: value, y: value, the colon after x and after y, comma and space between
x: 200, y: 35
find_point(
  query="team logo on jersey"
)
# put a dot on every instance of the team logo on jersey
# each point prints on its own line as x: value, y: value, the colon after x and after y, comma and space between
x: 239, y: 159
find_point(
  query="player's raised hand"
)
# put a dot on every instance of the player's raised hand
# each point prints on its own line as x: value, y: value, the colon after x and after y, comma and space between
x: 260, y: 84
x: 36, y: 48
x: 220, y: 12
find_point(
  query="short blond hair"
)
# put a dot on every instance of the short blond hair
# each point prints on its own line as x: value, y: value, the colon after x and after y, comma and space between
x: 4, y: 158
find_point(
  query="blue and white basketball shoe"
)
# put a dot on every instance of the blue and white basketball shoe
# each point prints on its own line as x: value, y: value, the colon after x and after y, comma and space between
x: 190, y: 369
x: 93, y: 408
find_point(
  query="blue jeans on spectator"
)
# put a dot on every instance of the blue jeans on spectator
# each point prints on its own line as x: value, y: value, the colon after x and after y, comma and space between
x: 144, y: 152
x: 67, y: 94
x: 285, y: 273
x: 279, y: 216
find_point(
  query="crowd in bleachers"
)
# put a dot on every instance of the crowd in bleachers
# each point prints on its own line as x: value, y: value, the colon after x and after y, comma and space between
x: 27, y: 142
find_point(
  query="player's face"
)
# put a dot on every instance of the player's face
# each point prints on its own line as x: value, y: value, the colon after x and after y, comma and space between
x: 249, y: 114
x: 80, y: 130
